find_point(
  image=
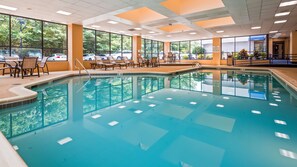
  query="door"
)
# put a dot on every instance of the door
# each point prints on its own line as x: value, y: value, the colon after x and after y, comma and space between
x: 279, y: 50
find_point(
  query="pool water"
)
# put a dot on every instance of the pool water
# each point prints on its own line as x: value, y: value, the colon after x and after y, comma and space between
x: 202, y: 118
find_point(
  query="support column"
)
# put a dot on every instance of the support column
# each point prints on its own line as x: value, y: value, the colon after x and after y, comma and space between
x: 136, y: 47
x: 293, y: 46
x: 166, y: 47
x: 75, y: 44
x: 216, y: 45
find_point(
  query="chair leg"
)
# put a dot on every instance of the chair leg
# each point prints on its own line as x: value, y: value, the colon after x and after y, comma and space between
x: 23, y: 71
x: 38, y: 72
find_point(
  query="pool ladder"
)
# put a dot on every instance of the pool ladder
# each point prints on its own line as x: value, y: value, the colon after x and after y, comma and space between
x: 77, y: 61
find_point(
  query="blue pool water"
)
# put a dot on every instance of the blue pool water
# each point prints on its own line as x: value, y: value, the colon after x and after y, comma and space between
x: 204, y: 119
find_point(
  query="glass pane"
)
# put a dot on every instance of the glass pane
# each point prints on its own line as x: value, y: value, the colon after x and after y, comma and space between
x: 142, y: 47
x: 116, y: 51
x: 174, y: 47
x: 25, y: 33
x: 197, y: 52
x: 184, y: 50
x: 227, y: 47
x: 258, y: 43
x: 89, y: 42
x: 148, y: 48
x: 4, y: 30
x: 207, y: 45
x: 242, y: 43
x: 55, y: 54
x: 127, y: 47
x: 4, y: 52
x: 31, y: 52
x: 155, y: 48
x: 161, y: 50
x: 54, y: 36
x: 102, y: 45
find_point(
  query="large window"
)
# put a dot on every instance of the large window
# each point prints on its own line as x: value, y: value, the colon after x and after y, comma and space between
x: 55, y: 41
x: 105, y: 44
x: 151, y: 48
x: 198, y: 49
x: 21, y: 37
x: 231, y: 46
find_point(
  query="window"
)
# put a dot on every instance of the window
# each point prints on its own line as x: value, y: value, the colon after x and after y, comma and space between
x: 89, y: 41
x: 155, y: 48
x: 102, y: 43
x: 116, y: 49
x: 207, y: 46
x: 228, y: 47
x: 151, y: 48
x: 161, y: 50
x: 127, y: 46
x: 21, y: 37
x: 55, y: 41
x: 26, y: 37
x: 184, y: 48
x: 198, y: 49
x: 4, y: 37
x: 148, y: 48
x: 231, y: 46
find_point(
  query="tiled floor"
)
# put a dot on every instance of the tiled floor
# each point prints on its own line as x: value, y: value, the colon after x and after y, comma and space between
x: 7, y: 83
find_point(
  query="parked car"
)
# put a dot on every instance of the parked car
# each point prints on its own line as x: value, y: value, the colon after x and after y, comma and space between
x: 119, y: 56
x: 57, y: 57
x: 89, y: 56
x: 5, y: 53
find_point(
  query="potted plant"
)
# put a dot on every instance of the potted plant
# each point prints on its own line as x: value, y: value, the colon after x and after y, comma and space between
x: 243, y: 54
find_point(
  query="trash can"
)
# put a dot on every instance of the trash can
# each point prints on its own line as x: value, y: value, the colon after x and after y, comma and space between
x: 230, y: 60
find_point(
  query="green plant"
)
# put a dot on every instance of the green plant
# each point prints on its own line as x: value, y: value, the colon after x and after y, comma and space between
x: 236, y: 56
x: 198, y: 50
x: 243, y: 54
x: 263, y: 55
x: 200, y: 56
x: 185, y: 57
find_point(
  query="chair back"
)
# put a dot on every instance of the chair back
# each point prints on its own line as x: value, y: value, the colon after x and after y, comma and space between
x: 111, y: 59
x: 140, y: 59
x: 29, y: 62
x: 98, y: 60
x: 43, y: 61
x: 11, y: 61
x: 126, y: 60
x: 154, y: 60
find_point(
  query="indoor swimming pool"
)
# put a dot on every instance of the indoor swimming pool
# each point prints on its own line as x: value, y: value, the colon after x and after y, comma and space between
x: 206, y: 118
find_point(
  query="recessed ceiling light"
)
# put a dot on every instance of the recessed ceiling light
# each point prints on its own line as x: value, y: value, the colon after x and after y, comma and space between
x: 95, y: 26
x: 282, y: 14
x: 121, y: 31
x: 168, y: 36
x: 151, y: 32
x: 192, y: 33
x: 256, y: 27
x: 63, y: 12
x: 289, y: 3
x: 226, y: 35
x: 8, y: 8
x: 137, y: 28
x: 112, y: 22
x: 135, y: 34
x: 272, y: 32
x: 221, y: 31
x: 280, y: 21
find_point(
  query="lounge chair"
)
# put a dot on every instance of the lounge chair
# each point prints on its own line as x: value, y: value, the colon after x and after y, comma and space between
x: 130, y: 63
x: 120, y: 64
x: 155, y: 62
x: 101, y: 64
x: 140, y: 61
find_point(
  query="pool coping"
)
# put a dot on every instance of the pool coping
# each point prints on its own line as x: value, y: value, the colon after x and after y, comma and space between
x: 10, y: 157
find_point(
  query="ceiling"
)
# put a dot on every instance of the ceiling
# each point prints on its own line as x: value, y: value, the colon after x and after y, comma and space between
x: 153, y: 15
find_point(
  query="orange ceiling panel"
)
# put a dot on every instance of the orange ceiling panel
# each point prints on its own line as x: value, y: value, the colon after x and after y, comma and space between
x: 176, y: 28
x: 223, y: 21
x: 141, y: 15
x: 182, y: 7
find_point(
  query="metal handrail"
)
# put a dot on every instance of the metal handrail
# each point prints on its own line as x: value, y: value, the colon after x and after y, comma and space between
x: 76, y: 60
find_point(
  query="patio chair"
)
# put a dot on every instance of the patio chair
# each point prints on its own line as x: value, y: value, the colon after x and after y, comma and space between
x: 140, y: 61
x: 120, y: 64
x: 155, y: 62
x: 29, y: 64
x: 128, y: 62
x: 101, y: 64
x: 44, y: 65
x: 11, y: 63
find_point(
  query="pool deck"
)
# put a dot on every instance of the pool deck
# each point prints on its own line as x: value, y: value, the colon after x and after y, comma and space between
x: 15, y: 89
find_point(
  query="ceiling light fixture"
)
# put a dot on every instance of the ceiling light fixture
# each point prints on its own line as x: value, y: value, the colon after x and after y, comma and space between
x: 63, y: 12
x: 256, y: 27
x: 221, y: 31
x: 8, y: 8
x: 151, y: 32
x: 289, y: 3
x: 95, y: 26
x: 137, y: 28
x: 192, y: 33
x: 282, y: 14
x: 168, y: 36
x: 272, y: 32
x: 280, y: 21
x: 112, y: 22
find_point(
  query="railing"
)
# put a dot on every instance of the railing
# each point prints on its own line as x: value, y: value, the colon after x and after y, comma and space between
x: 77, y: 61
